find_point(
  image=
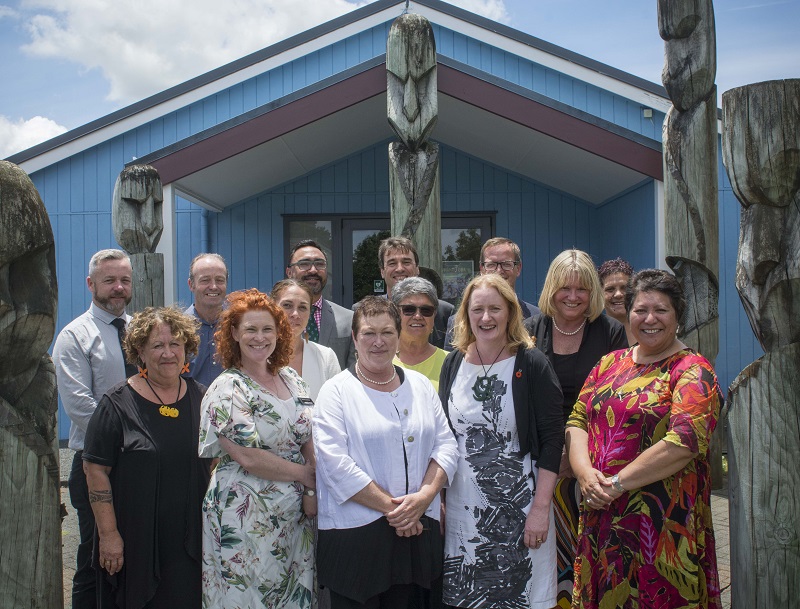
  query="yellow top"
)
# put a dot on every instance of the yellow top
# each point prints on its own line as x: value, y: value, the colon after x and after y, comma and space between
x: 430, y: 367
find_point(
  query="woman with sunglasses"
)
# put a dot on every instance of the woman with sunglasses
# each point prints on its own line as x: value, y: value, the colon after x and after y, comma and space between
x: 417, y: 301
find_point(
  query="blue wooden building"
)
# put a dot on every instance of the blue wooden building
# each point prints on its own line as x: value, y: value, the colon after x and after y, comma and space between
x: 539, y: 144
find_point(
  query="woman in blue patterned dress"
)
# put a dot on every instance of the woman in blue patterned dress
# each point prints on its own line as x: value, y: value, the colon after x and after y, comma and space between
x: 258, y: 548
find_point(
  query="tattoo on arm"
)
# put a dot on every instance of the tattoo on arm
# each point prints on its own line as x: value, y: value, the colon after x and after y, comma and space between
x: 100, y: 496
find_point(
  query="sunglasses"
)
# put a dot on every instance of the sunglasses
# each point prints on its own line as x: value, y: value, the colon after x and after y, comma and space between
x: 424, y: 310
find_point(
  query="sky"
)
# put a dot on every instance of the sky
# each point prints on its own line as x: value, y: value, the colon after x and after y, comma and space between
x: 64, y: 63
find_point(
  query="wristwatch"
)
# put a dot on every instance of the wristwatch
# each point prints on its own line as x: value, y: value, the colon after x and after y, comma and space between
x: 617, y: 484
x: 310, y: 492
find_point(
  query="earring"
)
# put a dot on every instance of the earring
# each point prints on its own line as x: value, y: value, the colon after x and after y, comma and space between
x: 356, y: 354
x: 142, y: 372
x: 185, y: 369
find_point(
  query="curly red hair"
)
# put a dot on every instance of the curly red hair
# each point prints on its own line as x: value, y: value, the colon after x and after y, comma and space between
x: 240, y: 303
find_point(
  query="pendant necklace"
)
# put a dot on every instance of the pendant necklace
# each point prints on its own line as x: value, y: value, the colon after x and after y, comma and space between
x: 366, y: 378
x: 483, y: 389
x: 555, y: 325
x: 164, y: 410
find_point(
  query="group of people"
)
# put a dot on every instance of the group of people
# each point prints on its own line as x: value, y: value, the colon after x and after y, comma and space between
x: 279, y: 450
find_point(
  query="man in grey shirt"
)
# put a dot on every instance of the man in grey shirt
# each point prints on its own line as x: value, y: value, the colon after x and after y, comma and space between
x: 89, y: 361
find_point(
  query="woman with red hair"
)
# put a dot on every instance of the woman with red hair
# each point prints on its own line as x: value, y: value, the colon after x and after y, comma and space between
x: 258, y: 545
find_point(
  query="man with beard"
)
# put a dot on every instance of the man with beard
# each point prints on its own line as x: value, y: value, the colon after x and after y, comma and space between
x: 208, y: 282
x: 89, y: 361
x: 329, y: 324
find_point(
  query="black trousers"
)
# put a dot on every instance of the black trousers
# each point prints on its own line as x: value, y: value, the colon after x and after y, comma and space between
x: 84, y: 587
x: 396, y: 597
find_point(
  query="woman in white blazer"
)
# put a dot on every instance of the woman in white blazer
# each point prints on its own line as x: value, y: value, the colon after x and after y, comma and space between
x: 315, y: 363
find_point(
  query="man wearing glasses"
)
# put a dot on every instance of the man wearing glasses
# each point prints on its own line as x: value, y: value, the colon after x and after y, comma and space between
x: 329, y: 324
x: 502, y: 256
x: 398, y: 259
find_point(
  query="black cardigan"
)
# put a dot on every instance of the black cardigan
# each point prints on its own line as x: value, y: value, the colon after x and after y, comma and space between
x: 537, y: 404
x: 602, y: 336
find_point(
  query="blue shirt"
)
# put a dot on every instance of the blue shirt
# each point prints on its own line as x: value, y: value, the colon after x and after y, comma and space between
x: 203, y: 368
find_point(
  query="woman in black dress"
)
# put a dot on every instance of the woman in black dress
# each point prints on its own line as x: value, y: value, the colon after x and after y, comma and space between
x: 574, y: 335
x: 146, y: 482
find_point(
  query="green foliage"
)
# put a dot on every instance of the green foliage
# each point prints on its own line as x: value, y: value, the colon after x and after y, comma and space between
x: 365, y: 264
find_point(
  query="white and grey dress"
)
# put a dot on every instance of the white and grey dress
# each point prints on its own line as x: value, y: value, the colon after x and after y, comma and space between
x: 486, y: 561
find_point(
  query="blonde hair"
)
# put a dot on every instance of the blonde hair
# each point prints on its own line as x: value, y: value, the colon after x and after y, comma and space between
x: 516, y: 335
x: 563, y: 267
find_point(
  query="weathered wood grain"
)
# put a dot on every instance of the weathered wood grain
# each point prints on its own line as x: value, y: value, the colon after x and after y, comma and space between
x: 148, y: 281
x: 412, y: 110
x: 764, y: 459
x: 30, y: 502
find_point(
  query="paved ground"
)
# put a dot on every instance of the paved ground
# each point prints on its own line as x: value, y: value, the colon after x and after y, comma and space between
x: 719, y: 508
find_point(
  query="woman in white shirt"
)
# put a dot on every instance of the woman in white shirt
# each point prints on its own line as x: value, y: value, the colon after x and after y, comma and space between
x: 384, y: 451
x: 315, y: 363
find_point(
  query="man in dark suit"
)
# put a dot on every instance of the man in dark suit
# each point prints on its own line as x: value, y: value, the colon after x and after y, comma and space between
x: 398, y: 259
x: 502, y: 256
x: 329, y: 324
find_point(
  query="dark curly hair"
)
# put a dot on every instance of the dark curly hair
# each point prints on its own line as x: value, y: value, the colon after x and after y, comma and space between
x: 239, y: 303
x: 617, y: 265
x: 656, y: 280
x: 183, y: 327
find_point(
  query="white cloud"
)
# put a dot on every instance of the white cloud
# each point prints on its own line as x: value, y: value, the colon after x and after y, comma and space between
x: 21, y: 134
x: 145, y: 46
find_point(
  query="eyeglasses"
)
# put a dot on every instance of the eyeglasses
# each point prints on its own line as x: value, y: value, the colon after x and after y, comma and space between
x: 506, y: 265
x: 424, y: 310
x: 305, y: 265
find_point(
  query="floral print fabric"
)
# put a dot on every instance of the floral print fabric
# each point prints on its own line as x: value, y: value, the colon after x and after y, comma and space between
x: 654, y: 546
x: 258, y: 548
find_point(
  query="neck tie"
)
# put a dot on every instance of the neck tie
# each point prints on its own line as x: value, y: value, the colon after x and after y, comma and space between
x: 119, y: 324
x: 312, y: 329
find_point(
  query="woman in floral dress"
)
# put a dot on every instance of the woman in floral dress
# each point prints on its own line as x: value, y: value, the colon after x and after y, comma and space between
x: 638, y: 444
x: 258, y: 546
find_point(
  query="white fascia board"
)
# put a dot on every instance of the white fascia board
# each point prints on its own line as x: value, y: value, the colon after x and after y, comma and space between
x: 543, y: 58
x: 130, y: 123
x: 515, y: 47
x: 188, y: 195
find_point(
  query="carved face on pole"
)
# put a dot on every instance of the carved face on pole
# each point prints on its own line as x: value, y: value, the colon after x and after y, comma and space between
x: 690, y: 52
x: 137, y: 209
x: 28, y: 292
x: 761, y: 148
x: 412, y: 93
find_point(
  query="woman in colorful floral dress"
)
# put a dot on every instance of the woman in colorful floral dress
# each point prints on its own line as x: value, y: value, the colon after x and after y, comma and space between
x: 638, y: 444
x: 258, y: 548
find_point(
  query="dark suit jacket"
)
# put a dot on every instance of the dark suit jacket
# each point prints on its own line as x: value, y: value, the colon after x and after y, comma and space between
x: 336, y: 332
x: 440, y: 323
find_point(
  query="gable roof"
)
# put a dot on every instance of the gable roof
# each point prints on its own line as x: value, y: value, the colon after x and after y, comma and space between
x: 370, y: 15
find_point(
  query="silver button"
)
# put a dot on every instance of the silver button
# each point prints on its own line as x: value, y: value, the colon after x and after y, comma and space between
x: 405, y: 411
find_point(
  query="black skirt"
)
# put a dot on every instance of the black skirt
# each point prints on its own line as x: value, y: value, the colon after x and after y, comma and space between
x: 362, y: 562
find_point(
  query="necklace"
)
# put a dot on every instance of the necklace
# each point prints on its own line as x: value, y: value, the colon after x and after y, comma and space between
x: 164, y: 410
x: 483, y: 389
x: 555, y: 325
x: 366, y: 378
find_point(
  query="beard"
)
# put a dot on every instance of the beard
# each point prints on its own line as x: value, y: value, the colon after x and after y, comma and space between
x: 111, y: 304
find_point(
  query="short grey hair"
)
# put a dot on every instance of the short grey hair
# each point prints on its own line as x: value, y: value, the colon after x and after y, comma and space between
x: 197, y: 258
x: 411, y: 286
x: 102, y: 256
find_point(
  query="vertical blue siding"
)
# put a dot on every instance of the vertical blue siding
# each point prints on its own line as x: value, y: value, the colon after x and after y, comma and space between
x: 548, y: 82
x: 628, y: 227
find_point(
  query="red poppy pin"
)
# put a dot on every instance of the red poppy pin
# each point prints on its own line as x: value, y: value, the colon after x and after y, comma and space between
x: 518, y: 374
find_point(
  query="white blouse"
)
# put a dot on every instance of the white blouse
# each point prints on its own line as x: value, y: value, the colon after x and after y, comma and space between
x: 360, y: 435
